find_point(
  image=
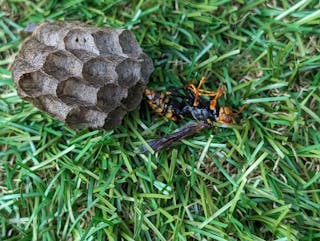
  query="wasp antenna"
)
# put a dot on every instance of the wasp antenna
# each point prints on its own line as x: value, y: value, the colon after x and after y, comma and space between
x: 240, y: 110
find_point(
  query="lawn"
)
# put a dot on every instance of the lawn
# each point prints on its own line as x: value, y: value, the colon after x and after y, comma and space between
x: 256, y: 180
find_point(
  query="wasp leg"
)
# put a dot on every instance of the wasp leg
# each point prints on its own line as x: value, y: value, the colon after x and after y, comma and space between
x: 203, y: 79
x: 196, y: 93
x: 208, y: 93
x: 240, y: 110
x: 214, y: 101
x: 196, y: 90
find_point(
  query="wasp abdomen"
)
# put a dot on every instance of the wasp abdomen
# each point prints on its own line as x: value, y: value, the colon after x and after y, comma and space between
x: 162, y: 104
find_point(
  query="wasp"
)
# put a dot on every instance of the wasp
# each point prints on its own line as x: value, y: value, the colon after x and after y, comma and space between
x: 175, y: 105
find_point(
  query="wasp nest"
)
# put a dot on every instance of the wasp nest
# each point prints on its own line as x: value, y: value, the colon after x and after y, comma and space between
x: 81, y: 75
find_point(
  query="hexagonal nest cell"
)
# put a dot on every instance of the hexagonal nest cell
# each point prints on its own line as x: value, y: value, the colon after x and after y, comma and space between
x: 82, y: 75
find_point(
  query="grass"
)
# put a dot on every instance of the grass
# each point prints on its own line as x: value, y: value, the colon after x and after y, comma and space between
x: 259, y: 180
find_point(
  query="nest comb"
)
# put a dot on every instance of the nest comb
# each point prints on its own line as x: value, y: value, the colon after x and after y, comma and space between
x: 81, y: 75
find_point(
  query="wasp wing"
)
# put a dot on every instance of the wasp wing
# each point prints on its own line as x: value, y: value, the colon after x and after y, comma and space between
x: 187, y: 130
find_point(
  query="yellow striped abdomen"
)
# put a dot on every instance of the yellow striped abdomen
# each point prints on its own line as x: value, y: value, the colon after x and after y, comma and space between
x: 161, y: 104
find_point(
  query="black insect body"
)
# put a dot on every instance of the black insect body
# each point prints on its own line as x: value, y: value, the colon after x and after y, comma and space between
x: 200, y: 114
x: 175, y: 105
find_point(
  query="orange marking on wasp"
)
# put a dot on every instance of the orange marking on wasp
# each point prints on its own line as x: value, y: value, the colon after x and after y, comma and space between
x: 173, y: 108
x: 165, y: 105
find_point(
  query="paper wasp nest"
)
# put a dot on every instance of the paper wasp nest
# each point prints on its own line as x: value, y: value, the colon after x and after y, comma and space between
x: 81, y: 75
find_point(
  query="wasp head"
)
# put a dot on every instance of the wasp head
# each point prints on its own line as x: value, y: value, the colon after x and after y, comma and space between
x: 226, y: 116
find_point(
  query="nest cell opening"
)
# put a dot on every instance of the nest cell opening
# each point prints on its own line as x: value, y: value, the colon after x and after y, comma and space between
x: 62, y: 65
x: 75, y: 91
x: 128, y: 72
x: 147, y: 67
x: 98, y: 72
x: 80, y: 40
x: 114, y: 118
x: 107, y: 42
x: 134, y: 97
x: 54, y: 107
x: 84, y: 117
x: 110, y: 96
x: 37, y: 84
x: 129, y: 44
x: 28, y: 85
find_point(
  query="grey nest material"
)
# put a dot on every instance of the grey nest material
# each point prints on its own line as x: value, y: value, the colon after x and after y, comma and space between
x: 81, y: 75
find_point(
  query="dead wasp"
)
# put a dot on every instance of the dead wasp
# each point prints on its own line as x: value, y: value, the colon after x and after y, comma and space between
x: 175, y: 105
